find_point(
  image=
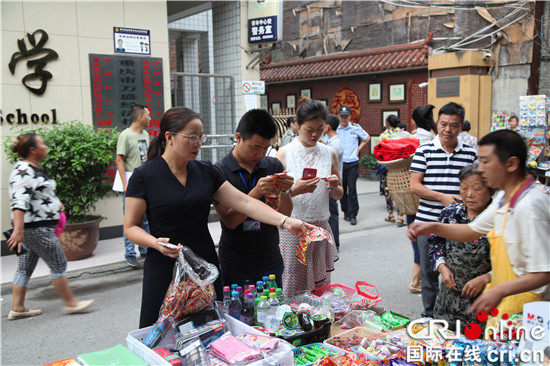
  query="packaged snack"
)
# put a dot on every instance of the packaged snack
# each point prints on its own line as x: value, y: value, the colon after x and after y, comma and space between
x: 172, y: 358
x: 311, y: 236
x: 263, y: 343
x: 230, y: 349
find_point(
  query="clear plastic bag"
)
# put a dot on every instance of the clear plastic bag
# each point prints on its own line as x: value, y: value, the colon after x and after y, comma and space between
x: 355, y: 318
x: 365, y: 296
x: 191, y: 289
x: 202, y: 272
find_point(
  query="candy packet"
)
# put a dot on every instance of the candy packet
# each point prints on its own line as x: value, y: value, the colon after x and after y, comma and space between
x: 311, y: 236
x: 263, y: 343
x: 230, y: 349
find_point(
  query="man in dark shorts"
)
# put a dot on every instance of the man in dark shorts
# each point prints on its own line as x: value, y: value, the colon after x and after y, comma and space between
x: 250, y: 249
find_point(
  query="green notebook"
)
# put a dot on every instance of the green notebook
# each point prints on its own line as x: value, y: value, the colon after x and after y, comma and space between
x: 117, y: 355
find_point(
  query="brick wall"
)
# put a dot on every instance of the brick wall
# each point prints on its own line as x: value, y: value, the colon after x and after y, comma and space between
x: 371, y: 113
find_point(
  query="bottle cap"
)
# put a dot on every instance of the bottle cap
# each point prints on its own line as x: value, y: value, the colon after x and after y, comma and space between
x: 266, y: 292
x: 271, y: 276
x: 259, y: 283
x: 279, y: 291
x: 239, y: 288
x: 249, y: 296
x: 265, y: 278
x: 252, y: 288
x: 263, y: 297
x: 246, y: 292
x: 272, y: 294
x: 234, y: 293
x: 226, y: 289
x: 272, y: 289
x: 234, y: 286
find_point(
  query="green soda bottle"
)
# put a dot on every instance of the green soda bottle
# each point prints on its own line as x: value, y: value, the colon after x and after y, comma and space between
x: 272, y: 282
x: 280, y: 296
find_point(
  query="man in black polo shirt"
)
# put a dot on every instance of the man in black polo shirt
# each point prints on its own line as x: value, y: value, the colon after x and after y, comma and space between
x: 250, y: 249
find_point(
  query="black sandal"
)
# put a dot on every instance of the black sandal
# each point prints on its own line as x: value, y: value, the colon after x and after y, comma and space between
x: 390, y: 218
x: 401, y: 222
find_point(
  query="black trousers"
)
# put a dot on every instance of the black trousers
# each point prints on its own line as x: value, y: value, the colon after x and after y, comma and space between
x: 333, y: 220
x: 349, y: 202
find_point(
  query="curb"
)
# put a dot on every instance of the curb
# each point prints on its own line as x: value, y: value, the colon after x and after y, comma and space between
x: 83, y: 273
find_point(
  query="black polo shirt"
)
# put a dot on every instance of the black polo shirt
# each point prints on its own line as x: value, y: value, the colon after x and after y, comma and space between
x: 249, y: 250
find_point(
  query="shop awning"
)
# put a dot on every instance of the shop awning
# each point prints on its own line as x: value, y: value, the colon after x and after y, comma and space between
x: 384, y: 59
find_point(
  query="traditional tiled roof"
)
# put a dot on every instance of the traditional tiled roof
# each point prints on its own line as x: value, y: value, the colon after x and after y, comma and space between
x: 383, y: 59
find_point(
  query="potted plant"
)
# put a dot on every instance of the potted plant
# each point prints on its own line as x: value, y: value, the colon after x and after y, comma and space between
x: 369, y: 164
x: 78, y: 158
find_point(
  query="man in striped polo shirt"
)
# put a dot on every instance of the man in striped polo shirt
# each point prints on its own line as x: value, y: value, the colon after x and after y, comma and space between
x: 434, y: 177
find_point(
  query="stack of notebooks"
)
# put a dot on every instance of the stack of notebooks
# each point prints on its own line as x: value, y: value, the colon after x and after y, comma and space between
x: 117, y: 355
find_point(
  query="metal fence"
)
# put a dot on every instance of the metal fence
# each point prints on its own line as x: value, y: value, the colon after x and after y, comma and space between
x: 212, y: 96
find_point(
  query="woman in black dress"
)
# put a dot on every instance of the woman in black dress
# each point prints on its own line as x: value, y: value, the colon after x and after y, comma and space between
x: 175, y: 190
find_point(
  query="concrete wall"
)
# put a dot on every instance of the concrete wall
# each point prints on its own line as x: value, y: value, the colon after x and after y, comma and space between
x: 75, y: 29
x: 544, y: 73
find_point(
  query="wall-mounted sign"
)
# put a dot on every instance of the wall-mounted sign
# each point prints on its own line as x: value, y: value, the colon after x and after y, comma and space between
x: 132, y: 41
x: 347, y: 97
x: 265, y: 21
x: 119, y: 82
x: 261, y: 30
x: 448, y: 87
x: 253, y: 87
x: 33, y: 61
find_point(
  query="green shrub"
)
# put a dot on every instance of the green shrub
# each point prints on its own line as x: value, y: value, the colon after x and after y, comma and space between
x: 78, y: 158
x: 368, y: 162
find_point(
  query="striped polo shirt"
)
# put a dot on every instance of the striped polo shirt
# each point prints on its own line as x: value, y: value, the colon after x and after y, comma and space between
x: 440, y: 170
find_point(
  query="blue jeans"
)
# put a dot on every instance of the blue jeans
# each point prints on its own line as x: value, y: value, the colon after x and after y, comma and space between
x: 128, y: 245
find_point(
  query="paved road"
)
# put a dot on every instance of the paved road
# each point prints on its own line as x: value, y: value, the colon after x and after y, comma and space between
x: 373, y: 251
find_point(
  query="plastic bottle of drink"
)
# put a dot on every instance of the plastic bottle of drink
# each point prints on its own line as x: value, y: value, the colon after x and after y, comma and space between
x: 280, y: 296
x: 247, y: 312
x: 259, y: 288
x: 226, y: 299
x: 272, y: 282
x: 263, y: 310
x: 256, y: 302
x: 273, y: 303
x: 235, y: 305
x: 266, y: 281
x: 239, y: 289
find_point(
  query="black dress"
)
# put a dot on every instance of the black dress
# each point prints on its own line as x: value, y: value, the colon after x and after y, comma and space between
x: 177, y: 212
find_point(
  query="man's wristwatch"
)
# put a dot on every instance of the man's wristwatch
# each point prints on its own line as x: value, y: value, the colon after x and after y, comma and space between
x: 288, y: 191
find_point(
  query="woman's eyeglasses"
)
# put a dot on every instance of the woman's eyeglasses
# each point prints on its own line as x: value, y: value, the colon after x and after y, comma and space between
x: 193, y: 138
